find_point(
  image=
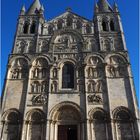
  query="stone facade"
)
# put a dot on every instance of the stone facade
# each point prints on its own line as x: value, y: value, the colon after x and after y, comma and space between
x: 69, y: 78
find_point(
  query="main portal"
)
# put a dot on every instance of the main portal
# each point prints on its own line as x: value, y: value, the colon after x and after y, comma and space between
x: 67, y: 132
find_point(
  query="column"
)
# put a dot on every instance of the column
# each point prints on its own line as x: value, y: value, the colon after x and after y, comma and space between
x: 92, y: 131
x: 48, y: 130
x: 52, y: 133
x: 83, y: 136
x: 56, y: 131
x: 88, y: 130
x: 114, y: 129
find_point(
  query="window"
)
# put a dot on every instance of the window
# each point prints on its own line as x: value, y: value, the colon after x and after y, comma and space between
x: 104, y: 26
x: 50, y: 30
x: 32, y: 29
x: 25, y: 28
x: 68, y: 76
x: 69, y: 21
x: 59, y: 25
x: 112, y: 28
x: 78, y: 25
x: 88, y: 29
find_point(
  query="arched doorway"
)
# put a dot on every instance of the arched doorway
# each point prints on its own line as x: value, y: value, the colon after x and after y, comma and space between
x: 66, y: 122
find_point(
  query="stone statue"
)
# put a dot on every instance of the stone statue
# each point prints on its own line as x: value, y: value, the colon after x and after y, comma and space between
x: 54, y: 73
x: 111, y: 71
x: 54, y: 87
x: 44, y: 71
x: 39, y: 99
x: 94, y: 98
x: 91, y: 87
x: 15, y: 74
x: 90, y: 72
x: 43, y: 88
x: 99, y: 86
x: 94, y: 60
x: 36, y: 73
x: 35, y: 87
x: 95, y: 73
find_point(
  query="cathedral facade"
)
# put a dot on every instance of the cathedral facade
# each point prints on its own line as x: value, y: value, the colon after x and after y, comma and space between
x: 69, y: 78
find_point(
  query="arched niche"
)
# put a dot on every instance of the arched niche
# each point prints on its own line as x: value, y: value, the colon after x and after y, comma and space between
x: 95, y: 67
x: 66, y: 41
x: 117, y: 66
x: 67, y: 74
x: 11, y: 126
x: 124, y: 124
x: 65, y: 117
x: 35, y: 124
x: 18, y: 68
x: 40, y: 68
x: 99, y: 119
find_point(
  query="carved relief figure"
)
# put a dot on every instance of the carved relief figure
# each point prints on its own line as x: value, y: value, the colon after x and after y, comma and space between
x: 99, y: 86
x: 20, y: 46
x: 54, y: 86
x: 90, y: 72
x: 35, y: 87
x: 111, y: 71
x: 39, y: 99
x: 43, y: 87
x: 107, y: 45
x: 15, y: 73
x: 36, y: 73
x: 91, y: 86
x: 44, y: 72
x: 94, y: 99
x: 54, y: 73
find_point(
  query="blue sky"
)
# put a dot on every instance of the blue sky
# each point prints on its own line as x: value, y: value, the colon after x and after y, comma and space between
x: 128, y: 9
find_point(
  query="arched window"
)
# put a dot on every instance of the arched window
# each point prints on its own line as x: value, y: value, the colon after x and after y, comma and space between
x: 88, y: 29
x: 124, y: 124
x: 68, y: 76
x: 12, y: 120
x: 112, y: 27
x: 33, y: 28
x: 50, y: 29
x: 36, y: 121
x: 78, y: 25
x: 26, y: 28
x: 100, y: 125
x: 104, y: 26
x: 69, y: 21
x: 59, y: 25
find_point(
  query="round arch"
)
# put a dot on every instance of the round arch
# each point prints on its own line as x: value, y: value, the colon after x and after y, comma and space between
x: 53, y: 114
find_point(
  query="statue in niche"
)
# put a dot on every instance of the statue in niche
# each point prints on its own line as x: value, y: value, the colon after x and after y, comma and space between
x: 111, y: 71
x: 107, y: 45
x: 91, y: 86
x: 95, y: 73
x: 54, y: 73
x: 42, y: 46
x: 36, y: 73
x: 20, y: 47
x: 15, y: 73
x: 35, y: 87
x: 39, y: 99
x: 54, y: 87
x: 89, y: 44
x: 94, y: 98
x: 99, y: 86
x: 94, y: 61
x: 43, y: 87
x: 29, y: 46
x: 90, y: 72
x: 44, y: 71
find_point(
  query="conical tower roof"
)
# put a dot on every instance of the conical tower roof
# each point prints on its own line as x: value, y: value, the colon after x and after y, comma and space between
x: 34, y: 7
x: 104, y: 6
